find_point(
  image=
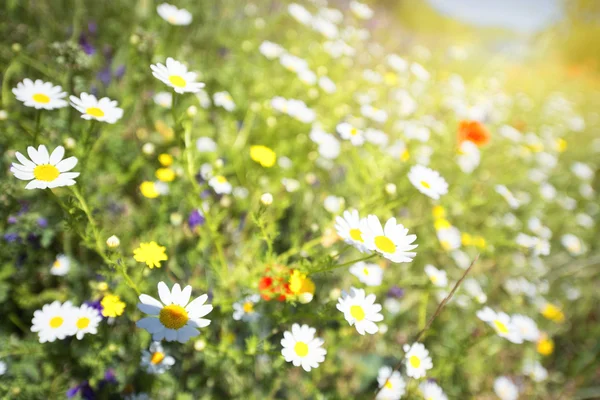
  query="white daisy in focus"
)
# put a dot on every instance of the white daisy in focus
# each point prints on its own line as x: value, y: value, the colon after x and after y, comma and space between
x: 360, y: 310
x: 431, y: 391
x: 417, y: 360
x: 174, y: 317
x: 428, y: 181
x: 501, y: 323
x: 349, y: 132
x: 506, y: 389
x: 392, y: 241
x: 302, y: 348
x: 86, y: 320
x: 45, y: 170
x: 103, y: 110
x: 436, y: 276
x: 174, y: 15
x: 61, y: 266
x: 244, y: 309
x: 526, y: 327
x: 54, y: 321
x: 40, y: 94
x: 163, y: 99
x: 220, y: 184
x: 368, y: 273
x: 391, y: 384
x: 176, y: 75
x: 573, y: 244
x: 156, y: 361
x: 350, y: 229
x: 224, y: 99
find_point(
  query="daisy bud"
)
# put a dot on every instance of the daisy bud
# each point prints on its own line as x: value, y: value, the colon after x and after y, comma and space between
x: 16, y: 47
x: 103, y: 286
x: 335, y: 293
x: 70, y: 143
x: 390, y: 189
x: 199, y: 345
x: 192, y: 110
x: 148, y: 149
x: 225, y: 201
x: 176, y: 219
x: 3, y: 115
x: 219, y: 163
x: 305, y: 298
x: 266, y: 199
x: 113, y: 242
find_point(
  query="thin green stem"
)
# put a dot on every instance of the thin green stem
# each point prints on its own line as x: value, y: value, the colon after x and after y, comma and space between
x: 330, y: 268
x: 38, y: 124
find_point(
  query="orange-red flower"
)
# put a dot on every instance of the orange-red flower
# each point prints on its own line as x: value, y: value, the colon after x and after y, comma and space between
x: 274, y: 284
x: 473, y: 131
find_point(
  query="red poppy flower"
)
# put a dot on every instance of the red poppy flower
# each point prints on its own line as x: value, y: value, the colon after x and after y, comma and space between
x: 473, y: 131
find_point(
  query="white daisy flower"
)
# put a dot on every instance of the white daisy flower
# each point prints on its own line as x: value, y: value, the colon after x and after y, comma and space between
x: 302, y: 348
x: 350, y: 229
x: 270, y: 50
x: 535, y: 370
x: 327, y: 85
x: 501, y: 323
x: 392, y: 241
x: 103, y: 110
x: 206, y: 145
x: 40, y: 94
x: 156, y: 361
x: 368, y: 273
x: 573, y: 244
x: 449, y: 238
x: 176, y: 75
x: 417, y: 360
x: 428, y: 181
x: 86, y: 320
x: 391, y: 384
x: 468, y: 156
x: 220, y: 184
x: 526, y: 327
x: 508, y: 196
x: 174, y: 15
x: 361, y: 10
x: 300, y: 13
x: 3, y: 368
x: 163, y: 99
x: 45, y: 170
x: 431, y: 391
x: 61, y: 265
x: 349, y: 132
x: 582, y: 171
x: 293, y: 63
x: 436, y: 276
x: 224, y: 99
x: 174, y: 318
x: 373, y: 113
x: 333, y: 204
x: 506, y: 389
x: 203, y: 98
x: 244, y: 309
x: 360, y: 310
x: 54, y: 321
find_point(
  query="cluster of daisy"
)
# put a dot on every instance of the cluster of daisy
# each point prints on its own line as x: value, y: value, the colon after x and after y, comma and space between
x: 60, y: 320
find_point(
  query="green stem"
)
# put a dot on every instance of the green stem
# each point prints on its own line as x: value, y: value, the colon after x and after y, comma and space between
x: 370, y: 256
x: 38, y: 124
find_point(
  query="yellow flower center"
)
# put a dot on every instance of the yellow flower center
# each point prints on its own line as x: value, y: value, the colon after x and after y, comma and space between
x: 176, y: 80
x: 56, y: 264
x: 157, y: 357
x: 354, y: 131
x: 83, y: 323
x: 95, y: 112
x: 366, y: 271
x: 56, y: 322
x: 173, y: 316
x: 248, y: 307
x: 384, y: 244
x: 414, y: 361
x: 500, y: 327
x: 426, y: 185
x: 388, y: 384
x: 46, y: 172
x: 301, y: 349
x: 445, y: 245
x: 405, y: 156
x: 172, y: 19
x: 433, y: 278
x: 357, y: 313
x: 221, y: 179
x: 356, y: 235
x: 41, y: 98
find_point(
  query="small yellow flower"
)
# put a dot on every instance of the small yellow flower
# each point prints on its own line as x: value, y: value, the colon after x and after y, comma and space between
x: 165, y: 160
x: 112, y: 306
x: 545, y: 346
x: 479, y: 242
x: 405, y: 156
x: 150, y: 253
x: 438, y: 212
x: 148, y: 189
x: 390, y: 78
x: 561, y: 145
x: 263, y: 155
x: 442, y: 224
x: 300, y: 284
x: 165, y: 174
x: 466, y: 239
x: 553, y: 313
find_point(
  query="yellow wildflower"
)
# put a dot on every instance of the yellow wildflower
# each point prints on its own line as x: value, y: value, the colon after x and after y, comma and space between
x: 263, y: 155
x: 148, y: 189
x: 466, y: 239
x: 112, y: 306
x: 553, y: 313
x: 442, y: 224
x: 165, y: 160
x: 545, y: 346
x: 165, y: 174
x: 438, y: 212
x: 150, y: 253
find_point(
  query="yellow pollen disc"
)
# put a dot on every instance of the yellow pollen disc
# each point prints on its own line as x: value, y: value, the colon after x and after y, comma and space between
x: 173, y: 316
x: 500, y: 327
x: 384, y: 244
x: 172, y: 19
x: 83, y: 323
x: 354, y: 131
x: 445, y: 244
x: 157, y: 357
x: 46, y: 172
x: 388, y: 384
x: 301, y: 349
x: 41, y: 98
x: 248, y: 307
x: 356, y: 235
x: 433, y: 278
x: 95, y: 112
x: 56, y: 264
x: 221, y: 179
x: 357, y: 312
x: 425, y: 185
x: 176, y: 80
x: 366, y: 271
x: 414, y: 361
x: 56, y: 322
